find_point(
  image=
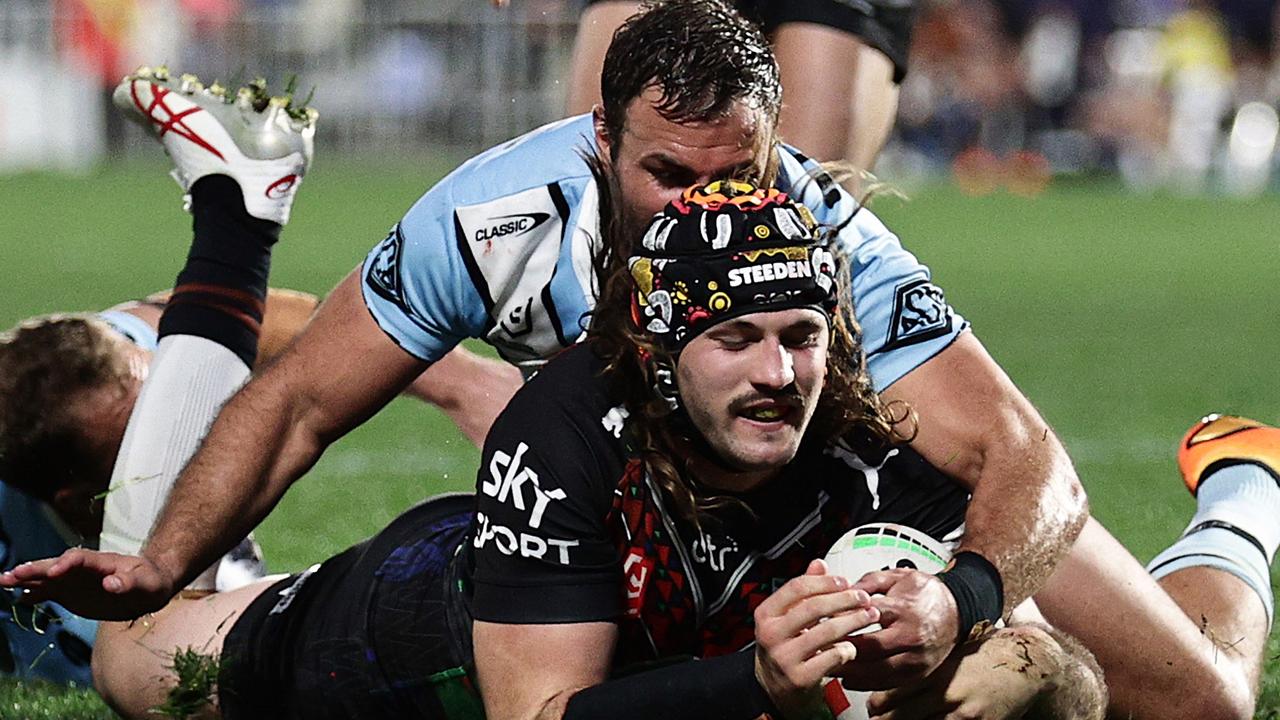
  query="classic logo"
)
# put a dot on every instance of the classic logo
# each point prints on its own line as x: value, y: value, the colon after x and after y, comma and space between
x: 920, y: 313
x: 504, y: 225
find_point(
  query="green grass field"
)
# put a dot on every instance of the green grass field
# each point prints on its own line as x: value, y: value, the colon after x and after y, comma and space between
x: 1122, y: 317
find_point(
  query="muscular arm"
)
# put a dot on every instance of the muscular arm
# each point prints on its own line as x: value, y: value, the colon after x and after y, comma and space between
x: 1022, y: 671
x: 974, y: 424
x: 340, y: 371
x: 505, y: 655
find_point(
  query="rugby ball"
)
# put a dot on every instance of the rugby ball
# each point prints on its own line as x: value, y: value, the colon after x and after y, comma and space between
x: 871, y: 548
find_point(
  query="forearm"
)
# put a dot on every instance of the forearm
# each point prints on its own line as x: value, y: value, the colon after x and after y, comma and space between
x: 975, y: 425
x: 253, y: 452
x: 724, y: 687
x: 1026, y: 510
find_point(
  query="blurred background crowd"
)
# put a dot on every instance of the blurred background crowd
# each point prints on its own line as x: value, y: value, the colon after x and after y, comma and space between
x: 1176, y: 95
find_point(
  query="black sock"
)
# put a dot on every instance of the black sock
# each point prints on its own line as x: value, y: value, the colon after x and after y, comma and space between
x: 221, y: 293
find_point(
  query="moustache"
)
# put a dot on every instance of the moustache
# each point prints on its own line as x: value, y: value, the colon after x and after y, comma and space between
x: 787, y: 397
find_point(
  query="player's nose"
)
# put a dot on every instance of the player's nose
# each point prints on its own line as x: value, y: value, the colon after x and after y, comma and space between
x: 772, y: 367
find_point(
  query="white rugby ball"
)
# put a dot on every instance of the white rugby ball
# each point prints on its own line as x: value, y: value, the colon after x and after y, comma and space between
x: 871, y: 548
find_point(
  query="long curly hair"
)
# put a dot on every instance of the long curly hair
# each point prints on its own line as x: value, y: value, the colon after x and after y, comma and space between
x: 849, y: 409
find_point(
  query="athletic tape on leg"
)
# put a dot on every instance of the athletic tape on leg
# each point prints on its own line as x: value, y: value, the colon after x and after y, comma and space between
x: 191, y: 378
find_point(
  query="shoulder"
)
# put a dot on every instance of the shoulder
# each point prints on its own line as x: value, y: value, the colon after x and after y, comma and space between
x: 566, y: 402
x: 524, y: 172
x: 132, y: 325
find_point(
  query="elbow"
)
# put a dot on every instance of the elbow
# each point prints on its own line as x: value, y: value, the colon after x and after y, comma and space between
x: 1071, y: 498
x: 1074, y: 503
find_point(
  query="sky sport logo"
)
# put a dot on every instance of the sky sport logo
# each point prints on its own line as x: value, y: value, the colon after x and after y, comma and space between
x: 513, y: 225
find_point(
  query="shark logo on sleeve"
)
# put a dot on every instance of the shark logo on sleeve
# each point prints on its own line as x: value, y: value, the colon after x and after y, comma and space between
x: 920, y: 312
x: 382, y: 274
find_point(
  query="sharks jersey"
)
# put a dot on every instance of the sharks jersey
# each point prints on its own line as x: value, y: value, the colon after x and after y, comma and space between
x: 501, y: 250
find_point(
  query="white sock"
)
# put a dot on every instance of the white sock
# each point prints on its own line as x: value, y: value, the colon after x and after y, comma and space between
x: 189, y: 381
x: 1247, y: 498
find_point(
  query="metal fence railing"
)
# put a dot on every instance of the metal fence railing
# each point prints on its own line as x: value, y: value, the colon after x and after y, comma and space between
x: 389, y: 79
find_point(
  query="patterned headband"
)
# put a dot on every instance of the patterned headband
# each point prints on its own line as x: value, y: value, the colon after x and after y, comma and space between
x: 725, y: 250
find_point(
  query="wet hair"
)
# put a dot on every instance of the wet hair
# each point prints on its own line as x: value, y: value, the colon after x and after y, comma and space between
x: 701, y: 55
x: 46, y: 365
x: 849, y: 409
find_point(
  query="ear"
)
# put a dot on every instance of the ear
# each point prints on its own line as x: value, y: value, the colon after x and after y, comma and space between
x: 603, y: 141
x: 70, y: 504
x: 76, y: 506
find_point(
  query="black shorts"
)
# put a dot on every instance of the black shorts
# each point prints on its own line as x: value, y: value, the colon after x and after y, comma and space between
x: 883, y: 24
x: 369, y: 633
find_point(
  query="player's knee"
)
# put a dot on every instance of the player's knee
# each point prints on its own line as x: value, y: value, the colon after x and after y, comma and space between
x: 1228, y: 696
x: 112, y: 679
x: 104, y: 682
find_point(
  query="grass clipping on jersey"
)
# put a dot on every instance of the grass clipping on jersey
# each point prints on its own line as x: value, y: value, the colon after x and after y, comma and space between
x: 197, y: 681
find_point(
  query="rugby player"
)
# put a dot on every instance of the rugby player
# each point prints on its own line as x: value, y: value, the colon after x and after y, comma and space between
x: 502, y: 248
x: 69, y: 384
x: 842, y: 64
x: 625, y: 520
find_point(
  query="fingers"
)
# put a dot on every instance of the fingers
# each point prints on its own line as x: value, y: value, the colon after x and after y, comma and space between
x: 831, y: 631
x: 813, y: 609
x: 817, y: 566
x: 30, y: 571
x: 880, y: 582
x: 907, y: 701
x: 797, y: 589
x: 826, y: 663
x: 916, y: 707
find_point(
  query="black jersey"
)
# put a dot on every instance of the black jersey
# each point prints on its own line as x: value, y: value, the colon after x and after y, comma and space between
x: 568, y: 527
x: 564, y: 527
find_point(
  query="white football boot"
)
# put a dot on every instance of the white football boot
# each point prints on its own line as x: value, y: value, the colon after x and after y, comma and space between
x: 263, y: 143
x: 243, y: 565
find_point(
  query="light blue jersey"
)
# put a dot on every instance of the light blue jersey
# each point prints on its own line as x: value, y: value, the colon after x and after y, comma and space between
x: 47, y: 641
x: 501, y: 250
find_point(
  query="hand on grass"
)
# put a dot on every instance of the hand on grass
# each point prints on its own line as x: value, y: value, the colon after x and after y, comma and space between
x: 98, y: 585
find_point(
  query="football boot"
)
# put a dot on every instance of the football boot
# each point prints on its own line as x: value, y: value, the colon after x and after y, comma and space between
x: 243, y: 565
x: 264, y: 143
x: 1217, y: 441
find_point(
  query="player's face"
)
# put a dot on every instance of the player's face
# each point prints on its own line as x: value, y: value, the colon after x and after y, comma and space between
x: 656, y: 159
x: 750, y: 386
x: 102, y: 414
